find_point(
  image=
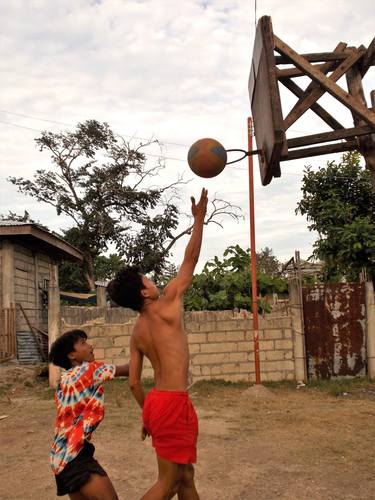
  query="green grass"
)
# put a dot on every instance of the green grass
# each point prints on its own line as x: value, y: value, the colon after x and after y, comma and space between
x: 337, y: 387
x: 334, y: 387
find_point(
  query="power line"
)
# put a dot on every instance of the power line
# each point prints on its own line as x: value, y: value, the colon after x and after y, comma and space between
x: 71, y: 125
x: 20, y: 126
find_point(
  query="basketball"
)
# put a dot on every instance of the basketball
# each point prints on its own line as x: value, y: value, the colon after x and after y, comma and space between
x: 207, y: 158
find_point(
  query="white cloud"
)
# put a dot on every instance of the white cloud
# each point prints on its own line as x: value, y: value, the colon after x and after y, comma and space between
x: 176, y: 70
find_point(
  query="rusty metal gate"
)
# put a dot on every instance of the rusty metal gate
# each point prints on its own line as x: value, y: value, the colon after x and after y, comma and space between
x: 334, y: 321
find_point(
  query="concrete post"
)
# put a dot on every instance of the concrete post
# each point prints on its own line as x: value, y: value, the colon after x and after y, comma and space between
x: 7, y: 274
x: 53, y: 320
x: 370, y: 329
x: 101, y: 296
x: 296, y: 309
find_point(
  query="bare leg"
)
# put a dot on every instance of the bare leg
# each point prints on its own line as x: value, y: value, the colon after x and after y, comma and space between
x: 187, y: 490
x: 98, y: 488
x: 168, y: 481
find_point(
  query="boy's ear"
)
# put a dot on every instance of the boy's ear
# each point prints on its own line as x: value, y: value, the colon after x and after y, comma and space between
x: 72, y: 356
x: 144, y: 293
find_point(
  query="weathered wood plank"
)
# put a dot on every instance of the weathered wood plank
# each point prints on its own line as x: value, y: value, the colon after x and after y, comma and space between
x: 329, y: 84
x: 315, y: 90
x: 329, y: 136
x: 320, y: 150
x: 321, y: 112
x: 298, y: 107
x: 265, y: 102
x: 366, y: 144
x: 368, y: 58
x: 295, y: 72
x: 313, y: 57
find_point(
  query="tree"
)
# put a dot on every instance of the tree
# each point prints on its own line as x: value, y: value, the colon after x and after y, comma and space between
x: 226, y: 284
x: 103, y: 186
x: 267, y: 263
x: 72, y: 276
x: 339, y: 204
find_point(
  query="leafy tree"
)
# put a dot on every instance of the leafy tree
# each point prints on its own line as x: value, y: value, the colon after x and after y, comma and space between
x: 267, y: 263
x: 226, y: 284
x: 103, y: 186
x: 340, y: 205
x: 72, y: 276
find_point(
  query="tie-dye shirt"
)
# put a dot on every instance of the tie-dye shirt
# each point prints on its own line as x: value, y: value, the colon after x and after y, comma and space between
x: 80, y: 409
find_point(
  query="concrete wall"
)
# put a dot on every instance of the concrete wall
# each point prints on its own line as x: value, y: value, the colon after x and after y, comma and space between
x: 220, y: 343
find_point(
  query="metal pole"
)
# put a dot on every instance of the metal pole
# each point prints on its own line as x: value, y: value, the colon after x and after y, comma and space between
x: 254, y: 291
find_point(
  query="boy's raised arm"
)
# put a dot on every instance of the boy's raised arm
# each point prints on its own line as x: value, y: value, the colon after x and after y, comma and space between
x: 178, y: 285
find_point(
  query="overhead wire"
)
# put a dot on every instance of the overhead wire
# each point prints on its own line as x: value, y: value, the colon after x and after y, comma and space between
x: 161, y: 156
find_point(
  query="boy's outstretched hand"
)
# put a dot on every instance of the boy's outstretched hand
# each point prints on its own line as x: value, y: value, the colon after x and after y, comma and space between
x: 199, y: 210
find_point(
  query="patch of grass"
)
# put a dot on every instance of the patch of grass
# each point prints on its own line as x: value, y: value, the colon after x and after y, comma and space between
x: 339, y: 386
x: 4, y: 389
x: 205, y: 386
x: 48, y: 394
x: 282, y: 384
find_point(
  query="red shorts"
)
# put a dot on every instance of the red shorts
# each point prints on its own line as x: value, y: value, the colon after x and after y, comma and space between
x: 170, y: 418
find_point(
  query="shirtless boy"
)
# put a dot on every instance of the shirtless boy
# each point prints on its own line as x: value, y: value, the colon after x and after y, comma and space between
x: 168, y: 414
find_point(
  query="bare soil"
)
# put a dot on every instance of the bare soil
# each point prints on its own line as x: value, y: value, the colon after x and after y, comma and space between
x: 282, y: 443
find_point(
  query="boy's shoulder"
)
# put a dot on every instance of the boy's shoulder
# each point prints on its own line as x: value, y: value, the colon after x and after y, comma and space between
x: 86, y: 369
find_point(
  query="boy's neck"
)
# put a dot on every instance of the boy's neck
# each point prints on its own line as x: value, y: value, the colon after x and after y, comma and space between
x: 76, y: 363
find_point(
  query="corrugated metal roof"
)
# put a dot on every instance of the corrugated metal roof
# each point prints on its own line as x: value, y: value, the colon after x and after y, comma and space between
x: 9, y: 222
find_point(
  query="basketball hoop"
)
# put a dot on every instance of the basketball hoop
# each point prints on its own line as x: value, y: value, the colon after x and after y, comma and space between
x: 244, y: 153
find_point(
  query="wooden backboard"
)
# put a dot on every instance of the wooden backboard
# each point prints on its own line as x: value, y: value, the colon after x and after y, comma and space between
x: 265, y: 103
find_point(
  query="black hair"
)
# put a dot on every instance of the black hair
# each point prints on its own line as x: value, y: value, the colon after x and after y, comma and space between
x: 63, y: 346
x: 125, y: 289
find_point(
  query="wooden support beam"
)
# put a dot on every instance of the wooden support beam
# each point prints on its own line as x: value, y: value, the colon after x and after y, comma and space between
x: 295, y: 73
x: 329, y: 84
x: 366, y: 144
x: 329, y: 136
x: 320, y: 150
x: 321, y: 112
x: 326, y: 67
x: 368, y: 58
x: 314, y: 57
x: 315, y: 89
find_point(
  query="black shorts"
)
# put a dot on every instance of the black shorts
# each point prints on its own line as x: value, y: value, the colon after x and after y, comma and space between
x: 77, y: 472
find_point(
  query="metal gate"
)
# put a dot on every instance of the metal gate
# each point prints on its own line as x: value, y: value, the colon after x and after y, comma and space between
x: 8, y: 345
x: 334, y: 323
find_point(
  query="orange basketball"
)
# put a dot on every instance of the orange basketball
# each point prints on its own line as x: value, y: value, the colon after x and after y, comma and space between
x: 207, y: 158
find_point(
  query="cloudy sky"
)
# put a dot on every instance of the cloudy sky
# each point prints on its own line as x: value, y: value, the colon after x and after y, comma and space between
x: 176, y: 71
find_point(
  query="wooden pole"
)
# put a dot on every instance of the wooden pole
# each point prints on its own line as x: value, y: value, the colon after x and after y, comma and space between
x: 366, y: 143
x: 254, y: 291
x: 53, y: 320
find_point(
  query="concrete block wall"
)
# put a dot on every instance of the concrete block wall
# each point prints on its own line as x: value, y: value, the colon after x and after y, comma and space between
x: 221, y: 346
x: 220, y: 343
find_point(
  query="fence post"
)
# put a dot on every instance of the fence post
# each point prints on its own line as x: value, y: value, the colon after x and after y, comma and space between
x: 296, y: 310
x: 370, y: 329
x: 53, y: 320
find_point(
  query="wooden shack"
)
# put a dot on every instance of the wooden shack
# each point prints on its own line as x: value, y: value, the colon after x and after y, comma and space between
x: 29, y: 256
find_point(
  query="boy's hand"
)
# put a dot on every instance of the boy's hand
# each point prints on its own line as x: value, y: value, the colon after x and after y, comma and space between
x: 144, y: 433
x: 199, y: 210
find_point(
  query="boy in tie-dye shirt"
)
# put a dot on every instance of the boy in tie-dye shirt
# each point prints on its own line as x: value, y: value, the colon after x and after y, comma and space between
x: 80, y: 409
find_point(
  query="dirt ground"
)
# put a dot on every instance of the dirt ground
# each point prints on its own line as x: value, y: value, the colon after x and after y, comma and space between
x: 287, y: 444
